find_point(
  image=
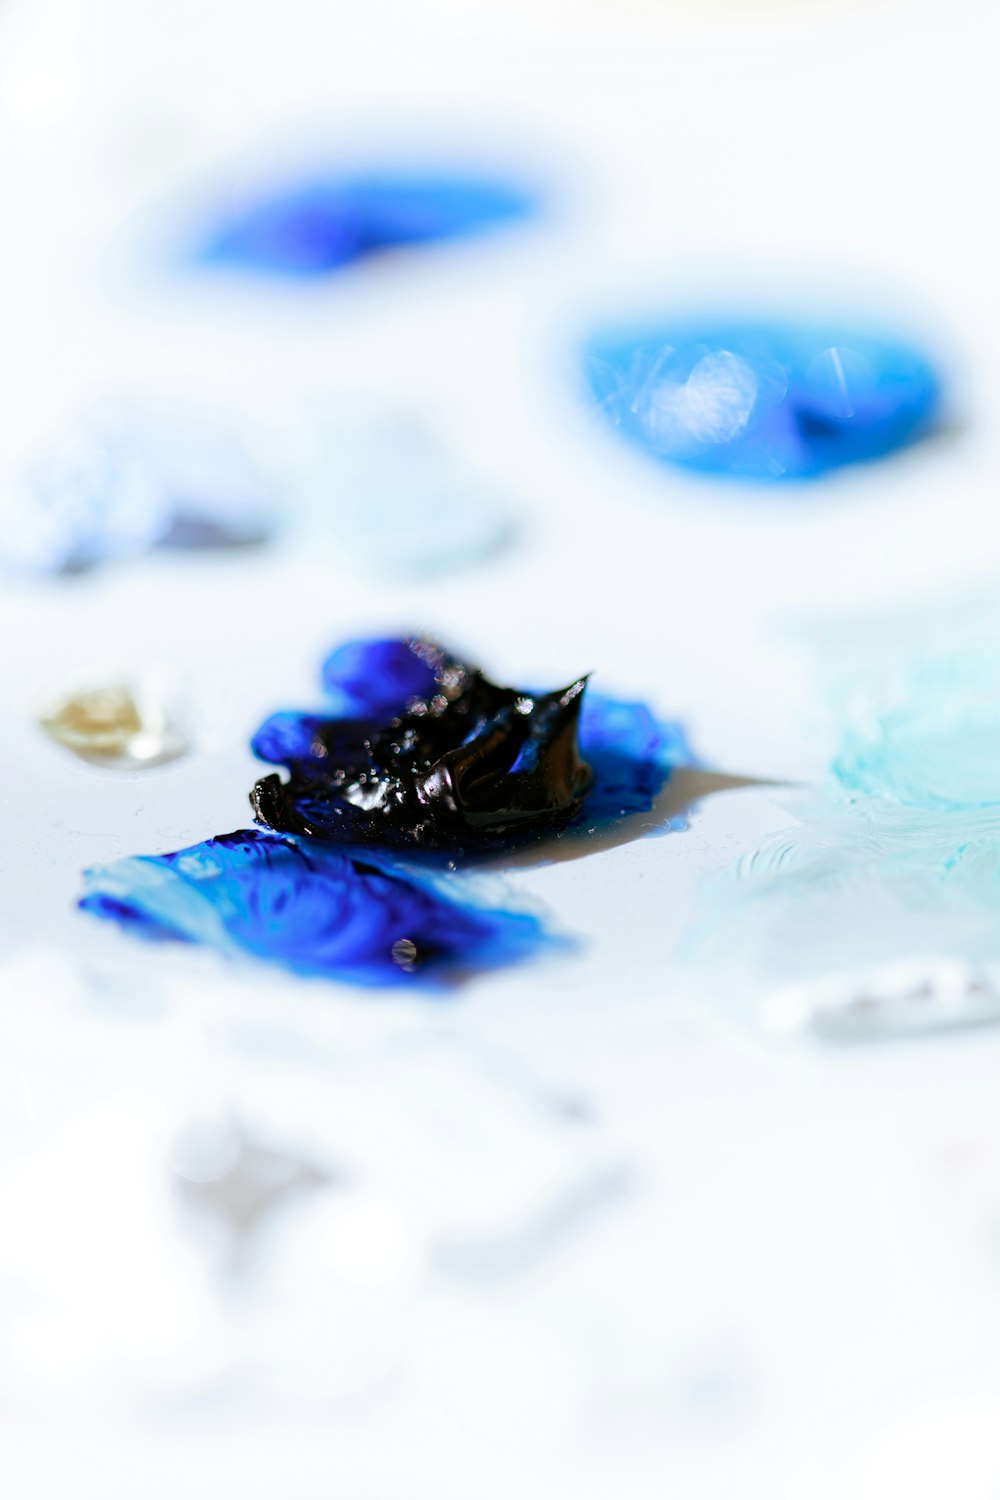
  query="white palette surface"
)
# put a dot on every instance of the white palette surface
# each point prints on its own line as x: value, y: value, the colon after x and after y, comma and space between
x: 586, y: 1229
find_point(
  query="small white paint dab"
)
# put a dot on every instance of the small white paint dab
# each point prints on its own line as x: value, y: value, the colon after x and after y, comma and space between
x: 907, y: 997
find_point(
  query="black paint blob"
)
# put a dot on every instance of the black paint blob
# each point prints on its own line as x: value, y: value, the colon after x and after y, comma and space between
x: 461, y: 764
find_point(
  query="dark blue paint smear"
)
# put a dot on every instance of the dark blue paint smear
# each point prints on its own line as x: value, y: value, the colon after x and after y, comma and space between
x: 372, y: 683
x: 762, y: 402
x: 312, y: 908
x: 321, y: 224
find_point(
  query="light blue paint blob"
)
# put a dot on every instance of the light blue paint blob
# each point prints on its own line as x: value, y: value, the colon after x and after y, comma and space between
x: 87, y: 497
x: 312, y: 909
x: 398, y: 504
x: 125, y: 481
x: 762, y: 402
x: 317, y: 225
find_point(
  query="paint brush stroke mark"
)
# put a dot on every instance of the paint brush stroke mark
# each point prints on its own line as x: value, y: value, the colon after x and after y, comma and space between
x: 313, y: 910
x: 898, y: 852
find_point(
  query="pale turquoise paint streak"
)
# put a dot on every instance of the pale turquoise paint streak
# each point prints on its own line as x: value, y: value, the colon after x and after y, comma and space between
x: 898, y: 852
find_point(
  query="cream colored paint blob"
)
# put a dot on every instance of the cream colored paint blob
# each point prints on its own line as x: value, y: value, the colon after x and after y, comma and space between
x: 119, y: 725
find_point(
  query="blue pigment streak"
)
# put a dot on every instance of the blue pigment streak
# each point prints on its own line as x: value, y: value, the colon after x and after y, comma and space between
x: 762, y: 402
x: 311, y: 908
x: 319, y: 225
x: 370, y: 682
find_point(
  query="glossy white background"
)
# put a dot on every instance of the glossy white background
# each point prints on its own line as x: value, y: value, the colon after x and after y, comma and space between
x: 588, y: 1229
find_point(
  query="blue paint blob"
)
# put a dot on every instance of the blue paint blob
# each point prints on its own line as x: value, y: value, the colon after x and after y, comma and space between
x: 381, y: 691
x: 632, y: 754
x: 292, y: 739
x: 365, y: 682
x: 378, y: 677
x: 312, y: 909
x: 321, y: 224
x: 762, y: 402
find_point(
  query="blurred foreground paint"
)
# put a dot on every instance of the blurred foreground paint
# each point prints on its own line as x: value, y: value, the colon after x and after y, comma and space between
x: 313, y: 226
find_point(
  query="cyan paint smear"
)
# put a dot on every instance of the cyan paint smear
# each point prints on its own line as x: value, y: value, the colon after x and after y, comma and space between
x: 898, y: 854
x: 311, y: 908
x: 926, y: 734
x: 316, y: 225
x: 762, y: 401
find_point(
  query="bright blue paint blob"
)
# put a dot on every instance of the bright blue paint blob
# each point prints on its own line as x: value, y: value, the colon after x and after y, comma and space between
x: 289, y: 738
x: 317, y: 226
x: 311, y: 908
x: 632, y: 754
x: 762, y: 402
x: 363, y: 680
x: 377, y: 677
